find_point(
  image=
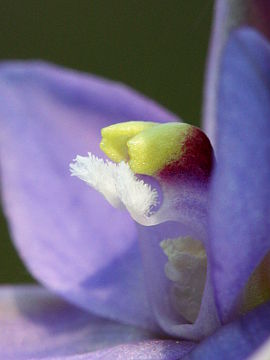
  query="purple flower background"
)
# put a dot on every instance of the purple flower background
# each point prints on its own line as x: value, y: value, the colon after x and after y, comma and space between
x: 103, y: 293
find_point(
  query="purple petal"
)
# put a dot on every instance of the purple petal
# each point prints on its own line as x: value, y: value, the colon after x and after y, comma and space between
x: 69, y: 237
x: 35, y: 324
x: 228, y: 15
x: 238, y: 340
x: 158, y: 286
x: 240, y: 211
x: 146, y: 350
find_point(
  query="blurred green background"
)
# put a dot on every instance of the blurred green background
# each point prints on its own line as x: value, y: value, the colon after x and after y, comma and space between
x: 158, y: 47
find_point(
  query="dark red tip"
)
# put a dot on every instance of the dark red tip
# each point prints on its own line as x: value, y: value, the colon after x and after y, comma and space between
x: 196, y: 162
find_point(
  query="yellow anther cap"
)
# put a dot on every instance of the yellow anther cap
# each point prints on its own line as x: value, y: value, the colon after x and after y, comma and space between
x: 115, y: 138
x: 152, y: 149
x: 169, y: 151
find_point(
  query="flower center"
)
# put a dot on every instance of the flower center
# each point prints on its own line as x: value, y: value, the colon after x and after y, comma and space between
x: 179, y: 158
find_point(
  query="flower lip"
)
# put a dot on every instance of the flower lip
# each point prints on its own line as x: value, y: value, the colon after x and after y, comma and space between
x: 186, y: 270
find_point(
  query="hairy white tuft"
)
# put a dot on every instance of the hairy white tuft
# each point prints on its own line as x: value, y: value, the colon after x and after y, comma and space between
x: 117, y: 183
x: 138, y: 197
x: 97, y: 173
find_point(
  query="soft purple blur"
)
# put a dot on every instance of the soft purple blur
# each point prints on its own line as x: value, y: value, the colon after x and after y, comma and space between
x: 94, y: 256
x: 69, y: 237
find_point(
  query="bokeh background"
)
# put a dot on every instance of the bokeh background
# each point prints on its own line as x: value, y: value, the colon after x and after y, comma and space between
x: 158, y: 47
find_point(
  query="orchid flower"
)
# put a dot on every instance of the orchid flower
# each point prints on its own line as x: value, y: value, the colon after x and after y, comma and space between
x: 165, y: 254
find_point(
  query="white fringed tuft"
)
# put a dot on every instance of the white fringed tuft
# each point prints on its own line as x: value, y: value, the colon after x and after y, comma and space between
x: 118, y: 184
